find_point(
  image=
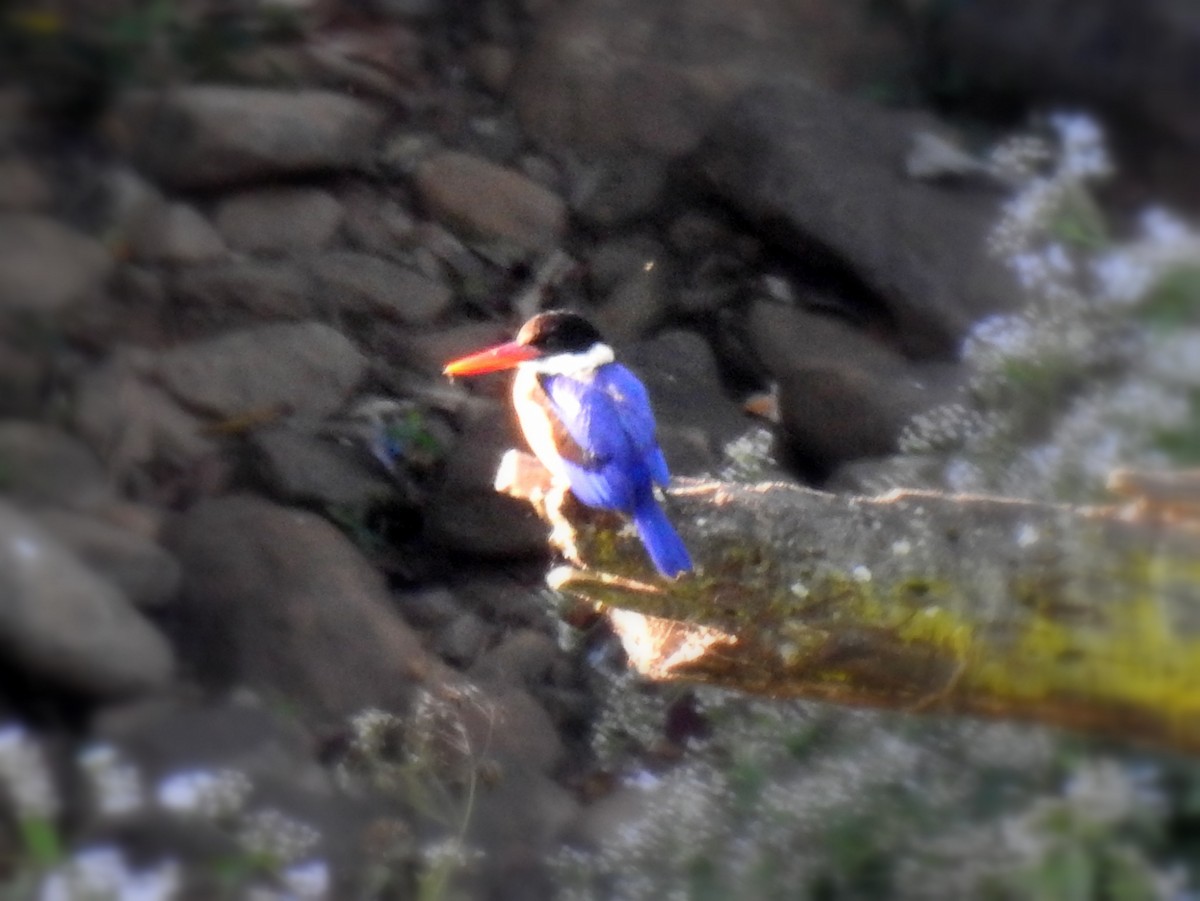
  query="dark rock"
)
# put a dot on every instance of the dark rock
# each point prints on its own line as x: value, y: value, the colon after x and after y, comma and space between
x: 1136, y: 61
x: 485, y: 433
x: 46, y: 266
x: 279, y: 220
x: 485, y: 524
x: 23, y: 188
x: 504, y: 600
x: 823, y: 172
x: 147, y: 574
x: 522, y: 730
x: 428, y: 608
x: 303, y: 468
x: 41, y: 465
x: 695, y: 418
x: 461, y: 641
x: 842, y: 395
x: 622, y: 77
x: 305, y: 367
x: 376, y: 224
x: 376, y: 59
x: 279, y: 600
x: 525, y: 657
x: 428, y: 352
x: 204, y: 136
x: 366, y: 285
x: 61, y: 622
x: 242, y: 293
x: 614, y: 261
x: 491, y: 202
x: 174, y: 233
x: 636, y: 306
x: 610, y: 193
x: 131, y: 421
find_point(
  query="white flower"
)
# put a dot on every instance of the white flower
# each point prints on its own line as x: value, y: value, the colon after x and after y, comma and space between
x: 307, y: 881
x: 1083, y: 152
x: 1121, y: 277
x: 101, y: 874
x: 24, y: 775
x: 1163, y: 227
x: 211, y: 794
x: 116, y: 786
x: 274, y: 834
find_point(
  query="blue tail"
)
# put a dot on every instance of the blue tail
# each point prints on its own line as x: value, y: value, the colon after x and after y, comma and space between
x: 662, y: 542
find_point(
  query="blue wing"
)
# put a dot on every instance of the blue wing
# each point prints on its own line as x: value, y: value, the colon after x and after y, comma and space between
x: 610, y: 419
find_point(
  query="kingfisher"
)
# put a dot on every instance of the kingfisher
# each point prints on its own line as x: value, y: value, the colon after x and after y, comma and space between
x: 588, y: 420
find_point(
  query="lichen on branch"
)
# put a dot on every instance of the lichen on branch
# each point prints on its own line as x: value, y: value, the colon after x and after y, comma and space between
x: 1078, y: 616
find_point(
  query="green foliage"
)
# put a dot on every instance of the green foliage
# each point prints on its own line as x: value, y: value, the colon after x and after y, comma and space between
x: 1182, y: 445
x: 1174, y: 301
x: 1079, y: 222
x: 41, y: 841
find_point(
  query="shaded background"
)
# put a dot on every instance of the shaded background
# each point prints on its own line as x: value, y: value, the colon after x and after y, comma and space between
x: 238, y: 240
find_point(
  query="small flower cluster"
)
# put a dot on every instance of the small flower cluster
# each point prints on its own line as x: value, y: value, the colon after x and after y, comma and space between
x: 1075, y: 383
x: 208, y: 794
x: 25, y: 776
x: 102, y: 874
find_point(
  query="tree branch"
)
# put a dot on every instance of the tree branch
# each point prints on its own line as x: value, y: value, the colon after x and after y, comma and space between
x: 1082, y: 617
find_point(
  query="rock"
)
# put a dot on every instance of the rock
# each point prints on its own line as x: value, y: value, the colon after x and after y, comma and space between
x: 303, y: 468
x: 610, y: 193
x: 368, y: 286
x: 490, y: 202
x: 428, y: 352
x: 26, y: 374
x: 636, y: 306
x: 1136, y: 62
x: 379, y: 59
x: 61, y: 622
x: 842, y: 395
x: 485, y: 433
x: 279, y: 600
x: 485, y: 524
x: 242, y: 293
x: 824, y: 172
x: 376, y: 224
x: 174, y: 233
x: 622, y: 77
x: 462, y: 640
x: 522, y: 730
x: 279, y: 221
x: 492, y: 64
x: 176, y: 740
x: 144, y: 572
x: 616, y: 260
x: 41, y: 465
x: 525, y: 657
x: 132, y: 421
x: 305, y: 367
x: 505, y: 600
x: 695, y: 418
x: 22, y: 186
x: 428, y: 608
x: 45, y: 266
x: 204, y: 136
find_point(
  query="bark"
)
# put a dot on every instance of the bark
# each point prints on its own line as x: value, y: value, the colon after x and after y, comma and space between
x: 1083, y: 617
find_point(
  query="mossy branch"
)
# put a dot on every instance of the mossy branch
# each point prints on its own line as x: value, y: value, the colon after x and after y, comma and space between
x: 1083, y: 617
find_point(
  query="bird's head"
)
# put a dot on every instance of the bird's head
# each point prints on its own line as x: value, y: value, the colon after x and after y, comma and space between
x: 557, y: 341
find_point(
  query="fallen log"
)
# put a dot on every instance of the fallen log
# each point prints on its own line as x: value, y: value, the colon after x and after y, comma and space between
x: 1085, y: 617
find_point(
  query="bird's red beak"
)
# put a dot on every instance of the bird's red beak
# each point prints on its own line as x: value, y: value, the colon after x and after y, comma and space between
x: 502, y: 356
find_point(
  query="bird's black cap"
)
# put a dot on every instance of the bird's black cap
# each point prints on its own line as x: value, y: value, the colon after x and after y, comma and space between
x: 559, y: 331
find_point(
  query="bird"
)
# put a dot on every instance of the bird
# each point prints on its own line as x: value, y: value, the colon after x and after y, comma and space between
x: 589, y: 421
